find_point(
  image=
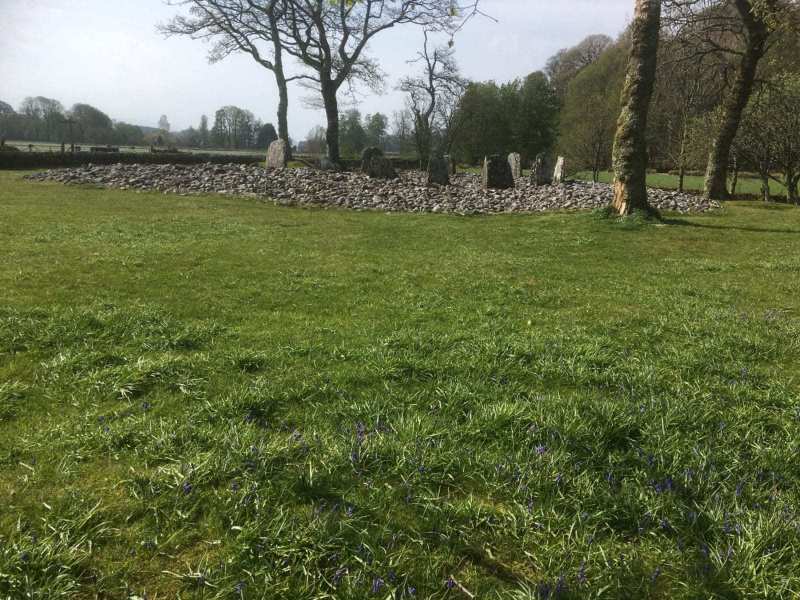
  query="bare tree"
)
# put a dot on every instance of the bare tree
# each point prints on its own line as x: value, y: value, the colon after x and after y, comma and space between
x: 248, y: 26
x: 630, y: 143
x: 433, y: 95
x: 330, y: 37
x: 730, y: 30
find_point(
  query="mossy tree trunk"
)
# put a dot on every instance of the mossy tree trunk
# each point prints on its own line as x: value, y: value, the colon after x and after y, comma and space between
x: 756, y: 32
x: 630, y: 143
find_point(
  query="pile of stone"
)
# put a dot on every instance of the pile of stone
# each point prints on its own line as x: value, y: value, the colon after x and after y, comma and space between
x: 408, y: 192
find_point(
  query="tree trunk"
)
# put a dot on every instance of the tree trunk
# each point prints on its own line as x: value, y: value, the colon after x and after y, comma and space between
x: 791, y: 188
x: 332, y: 114
x: 734, y: 105
x: 765, y: 185
x: 630, y: 143
x: 283, y: 115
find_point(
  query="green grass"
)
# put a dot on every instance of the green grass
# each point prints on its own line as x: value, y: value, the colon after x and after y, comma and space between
x: 746, y: 186
x: 217, y: 398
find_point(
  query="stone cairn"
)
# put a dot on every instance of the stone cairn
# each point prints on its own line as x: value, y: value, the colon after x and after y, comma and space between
x: 560, y: 172
x: 496, y: 173
x: 542, y: 171
x: 276, y: 155
x: 376, y: 166
x: 515, y: 162
x: 438, y: 171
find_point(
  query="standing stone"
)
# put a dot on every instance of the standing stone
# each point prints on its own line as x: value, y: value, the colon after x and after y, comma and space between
x: 515, y: 162
x: 438, y: 171
x: 381, y: 168
x: 496, y: 173
x: 367, y: 155
x: 276, y: 155
x: 560, y: 171
x: 542, y: 170
x: 451, y: 163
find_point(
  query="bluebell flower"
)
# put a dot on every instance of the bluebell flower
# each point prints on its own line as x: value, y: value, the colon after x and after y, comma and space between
x: 187, y: 488
x: 540, y: 450
x: 449, y: 583
x: 377, y: 585
x: 655, y: 575
x: 582, y: 579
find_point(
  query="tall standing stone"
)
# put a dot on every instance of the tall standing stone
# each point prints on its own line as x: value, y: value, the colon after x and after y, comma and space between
x: 496, y: 173
x: 439, y: 171
x: 542, y: 170
x: 381, y: 167
x: 451, y: 163
x: 515, y: 162
x: 276, y: 155
x: 560, y: 171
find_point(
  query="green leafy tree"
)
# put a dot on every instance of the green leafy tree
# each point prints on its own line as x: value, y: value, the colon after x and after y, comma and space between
x: 92, y: 124
x: 266, y: 135
x: 376, y: 127
x: 353, y: 138
x: 591, y: 108
x: 202, y: 132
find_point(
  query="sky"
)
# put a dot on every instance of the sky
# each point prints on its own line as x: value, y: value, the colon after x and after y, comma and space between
x: 108, y: 53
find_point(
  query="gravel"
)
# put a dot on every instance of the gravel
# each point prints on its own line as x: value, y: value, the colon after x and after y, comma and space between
x: 409, y: 193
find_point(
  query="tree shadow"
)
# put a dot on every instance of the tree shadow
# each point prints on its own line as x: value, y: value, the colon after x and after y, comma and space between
x: 684, y: 223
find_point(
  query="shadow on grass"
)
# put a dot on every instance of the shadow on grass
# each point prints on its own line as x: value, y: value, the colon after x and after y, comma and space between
x: 685, y: 223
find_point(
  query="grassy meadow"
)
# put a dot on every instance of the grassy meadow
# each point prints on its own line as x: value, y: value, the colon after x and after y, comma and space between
x: 207, y: 397
x: 747, y: 184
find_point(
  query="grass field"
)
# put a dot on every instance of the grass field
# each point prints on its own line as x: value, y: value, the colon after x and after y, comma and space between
x: 56, y: 147
x: 747, y: 186
x: 217, y: 398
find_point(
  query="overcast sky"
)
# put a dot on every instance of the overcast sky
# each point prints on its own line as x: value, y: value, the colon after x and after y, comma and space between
x: 108, y: 53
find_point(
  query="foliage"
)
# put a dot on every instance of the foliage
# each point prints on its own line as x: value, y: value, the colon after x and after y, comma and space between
x: 591, y: 108
x: 266, y: 135
x: 352, y: 137
x: 520, y: 116
x: 217, y: 398
x: 234, y: 127
x: 567, y: 63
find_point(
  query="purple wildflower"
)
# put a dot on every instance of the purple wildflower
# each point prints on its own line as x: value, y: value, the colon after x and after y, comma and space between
x: 582, y: 579
x: 411, y: 590
x: 540, y: 450
x: 377, y: 585
x: 450, y: 583
x: 187, y: 488
x: 655, y: 575
x: 361, y: 432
